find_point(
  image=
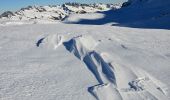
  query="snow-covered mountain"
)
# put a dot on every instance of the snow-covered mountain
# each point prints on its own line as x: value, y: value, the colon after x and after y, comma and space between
x: 57, y: 12
x: 147, y: 3
x: 150, y: 13
x: 134, y: 13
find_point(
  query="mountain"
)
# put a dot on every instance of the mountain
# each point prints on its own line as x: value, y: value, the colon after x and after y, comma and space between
x: 55, y: 12
x: 134, y: 13
x: 149, y: 13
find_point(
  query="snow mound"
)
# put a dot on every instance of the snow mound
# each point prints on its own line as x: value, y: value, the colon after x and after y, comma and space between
x: 105, y: 92
x: 115, y: 81
x: 51, y: 41
x: 80, y: 45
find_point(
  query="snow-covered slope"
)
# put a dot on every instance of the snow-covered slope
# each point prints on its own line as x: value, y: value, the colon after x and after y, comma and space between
x: 135, y: 13
x: 149, y: 9
x: 73, y: 62
x: 150, y: 3
x: 94, y: 61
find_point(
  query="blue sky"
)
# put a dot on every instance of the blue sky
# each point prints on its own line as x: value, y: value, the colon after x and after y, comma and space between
x: 17, y: 4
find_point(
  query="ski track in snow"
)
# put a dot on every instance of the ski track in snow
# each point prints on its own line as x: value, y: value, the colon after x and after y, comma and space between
x: 115, y: 81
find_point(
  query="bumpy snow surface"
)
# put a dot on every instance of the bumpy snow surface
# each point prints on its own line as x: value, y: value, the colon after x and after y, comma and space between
x: 79, y: 61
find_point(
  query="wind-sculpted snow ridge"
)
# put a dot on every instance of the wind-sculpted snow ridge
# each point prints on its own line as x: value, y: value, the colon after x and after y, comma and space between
x: 115, y: 81
x: 51, y: 41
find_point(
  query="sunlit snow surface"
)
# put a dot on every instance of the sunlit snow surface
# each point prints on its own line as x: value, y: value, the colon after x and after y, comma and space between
x: 71, y: 60
x: 52, y: 70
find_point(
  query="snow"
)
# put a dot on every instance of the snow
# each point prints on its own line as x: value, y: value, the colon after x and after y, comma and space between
x: 79, y: 17
x: 51, y: 41
x: 28, y: 71
x: 53, y: 13
x: 86, y: 58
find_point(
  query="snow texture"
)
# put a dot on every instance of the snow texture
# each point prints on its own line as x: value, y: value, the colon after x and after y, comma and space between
x: 120, y: 54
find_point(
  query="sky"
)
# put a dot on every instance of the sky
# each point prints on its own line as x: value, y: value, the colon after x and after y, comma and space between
x: 13, y: 5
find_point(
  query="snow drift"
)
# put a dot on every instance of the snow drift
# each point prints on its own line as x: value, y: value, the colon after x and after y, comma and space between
x: 51, y: 41
x: 116, y: 81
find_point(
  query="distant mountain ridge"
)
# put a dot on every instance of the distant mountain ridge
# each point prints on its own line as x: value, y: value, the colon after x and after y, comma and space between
x: 55, y: 12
